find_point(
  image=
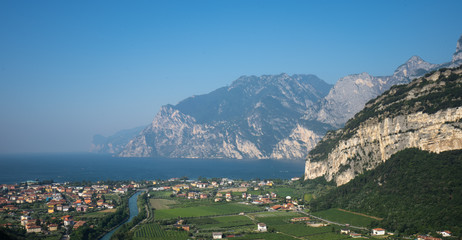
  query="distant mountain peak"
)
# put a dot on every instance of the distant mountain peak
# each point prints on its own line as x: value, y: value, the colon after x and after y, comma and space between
x: 413, y: 67
x: 458, y: 54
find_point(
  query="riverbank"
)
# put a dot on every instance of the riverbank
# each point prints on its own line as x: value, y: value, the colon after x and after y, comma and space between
x: 133, y: 211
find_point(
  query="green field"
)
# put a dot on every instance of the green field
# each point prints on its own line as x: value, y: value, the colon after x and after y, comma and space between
x: 275, y: 214
x: 155, y: 232
x: 266, y: 236
x: 160, y: 194
x: 301, y: 230
x: 339, y: 216
x: 285, y: 191
x: 280, y: 223
x: 112, y: 197
x: 98, y: 214
x: 277, y: 218
x: 327, y: 236
x: 161, y: 203
x: 223, y: 223
x: 199, y: 211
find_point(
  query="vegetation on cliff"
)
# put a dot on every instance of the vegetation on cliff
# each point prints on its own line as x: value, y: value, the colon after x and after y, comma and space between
x: 414, y: 191
x: 435, y: 91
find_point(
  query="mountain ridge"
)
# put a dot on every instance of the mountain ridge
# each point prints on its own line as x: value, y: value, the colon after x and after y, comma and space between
x: 279, y: 122
x: 424, y: 114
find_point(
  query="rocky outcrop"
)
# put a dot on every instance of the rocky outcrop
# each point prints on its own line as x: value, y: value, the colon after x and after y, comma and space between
x: 351, y: 93
x: 271, y: 116
x: 426, y: 114
x: 255, y: 118
x: 295, y: 146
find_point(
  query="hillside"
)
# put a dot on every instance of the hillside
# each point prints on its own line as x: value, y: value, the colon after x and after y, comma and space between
x: 255, y: 117
x: 424, y: 114
x: 414, y: 191
x: 269, y: 116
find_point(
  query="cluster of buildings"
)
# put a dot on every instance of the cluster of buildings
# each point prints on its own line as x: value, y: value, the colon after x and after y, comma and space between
x: 60, y: 199
x: 192, y: 189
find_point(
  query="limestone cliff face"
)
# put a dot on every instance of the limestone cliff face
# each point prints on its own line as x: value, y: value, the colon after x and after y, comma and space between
x: 296, y: 145
x: 352, y: 92
x: 426, y: 114
x: 254, y: 118
x: 269, y: 116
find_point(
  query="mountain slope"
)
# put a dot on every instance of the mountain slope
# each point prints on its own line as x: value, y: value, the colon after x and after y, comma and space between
x: 425, y: 114
x: 277, y: 116
x: 249, y: 119
x: 115, y: 143
x: 414, y: 191
x: 350, y: 93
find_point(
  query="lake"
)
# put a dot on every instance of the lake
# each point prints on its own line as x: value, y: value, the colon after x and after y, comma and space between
x: 93, y: 167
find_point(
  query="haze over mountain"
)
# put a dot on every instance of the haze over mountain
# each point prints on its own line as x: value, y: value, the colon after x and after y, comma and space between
x: 272, y: 116
x: 255, y: 117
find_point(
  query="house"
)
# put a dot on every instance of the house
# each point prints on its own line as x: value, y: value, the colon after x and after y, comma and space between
x: 217, y: 235
x: 345, y: 231
x: 53, y: 227
x: 276, y: 207
x: 355, y: 235
x: 445, y: 233
x: 378, y: 231
x: 68, y: 220
x: 180, y: 225
x: 78, y: 224
x: 25, y: 219
x: 192, y: 195
x: 33, y: 229
x: 423, y: 237
x: 261, y: 227
x: 59, y: 207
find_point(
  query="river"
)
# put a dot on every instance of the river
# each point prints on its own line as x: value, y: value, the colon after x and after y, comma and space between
x: 132, y: 204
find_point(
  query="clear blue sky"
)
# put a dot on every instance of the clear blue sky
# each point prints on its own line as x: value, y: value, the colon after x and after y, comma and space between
x: 72, y: 69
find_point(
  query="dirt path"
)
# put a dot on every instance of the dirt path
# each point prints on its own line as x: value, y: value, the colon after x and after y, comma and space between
x: 360, y: 214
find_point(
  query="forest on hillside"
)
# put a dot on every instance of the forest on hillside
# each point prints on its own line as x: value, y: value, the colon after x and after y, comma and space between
x: 414, y: 191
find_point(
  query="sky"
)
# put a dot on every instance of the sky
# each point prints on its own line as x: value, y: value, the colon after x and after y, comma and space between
x: 73, y: 69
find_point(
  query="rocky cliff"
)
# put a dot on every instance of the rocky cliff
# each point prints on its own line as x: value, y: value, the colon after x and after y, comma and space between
x: 278, y: 116
x: 255, y: 117
x: 350, y: 93
x: 425, y: 114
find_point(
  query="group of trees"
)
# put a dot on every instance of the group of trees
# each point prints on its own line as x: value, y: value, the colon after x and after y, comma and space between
x: 414, y: 191
x: 102, y: 225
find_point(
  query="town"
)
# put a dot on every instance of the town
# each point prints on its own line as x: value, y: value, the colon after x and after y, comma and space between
x: 178, y: 208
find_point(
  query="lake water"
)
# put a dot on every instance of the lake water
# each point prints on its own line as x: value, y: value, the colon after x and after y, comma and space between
x: 94, y: 167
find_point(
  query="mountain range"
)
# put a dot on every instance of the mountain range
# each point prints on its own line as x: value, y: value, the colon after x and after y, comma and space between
x: 424, y: 114
x: 270, y: 116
